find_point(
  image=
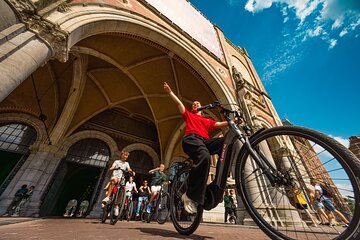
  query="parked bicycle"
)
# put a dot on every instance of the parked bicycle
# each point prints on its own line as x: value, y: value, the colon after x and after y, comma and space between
x: 267, y: 164
x: 159, y: 209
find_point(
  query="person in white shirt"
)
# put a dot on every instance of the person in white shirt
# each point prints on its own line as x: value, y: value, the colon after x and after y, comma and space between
x: 130, y: 186
x: 118, y: 168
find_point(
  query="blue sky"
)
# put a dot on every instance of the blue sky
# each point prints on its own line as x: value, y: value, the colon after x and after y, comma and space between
x: 306, y: 52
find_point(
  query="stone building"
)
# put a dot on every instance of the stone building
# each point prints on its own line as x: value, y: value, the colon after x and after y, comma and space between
x: 355, y: 145
x: 82, y: 80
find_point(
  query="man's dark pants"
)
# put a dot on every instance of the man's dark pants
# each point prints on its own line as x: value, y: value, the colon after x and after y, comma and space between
x: 200, y: 150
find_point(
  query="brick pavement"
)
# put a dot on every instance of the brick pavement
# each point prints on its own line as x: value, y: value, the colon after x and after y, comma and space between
x: 89, y: 229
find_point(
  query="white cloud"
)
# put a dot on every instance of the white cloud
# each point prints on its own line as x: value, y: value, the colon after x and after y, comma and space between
x: 323, y: 19
x: 337, y: 14
x: 343, y: 141
x: 343, y: 33
x: 346, y: 190
x: 333, y: 43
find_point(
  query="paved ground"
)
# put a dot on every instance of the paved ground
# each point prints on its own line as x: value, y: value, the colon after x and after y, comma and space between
x: 88, y: 229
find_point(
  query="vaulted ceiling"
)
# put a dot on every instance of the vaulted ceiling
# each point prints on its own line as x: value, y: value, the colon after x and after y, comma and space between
x: 122, y: 72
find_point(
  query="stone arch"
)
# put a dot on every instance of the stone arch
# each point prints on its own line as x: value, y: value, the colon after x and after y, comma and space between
x: 145, y: 148
x: 29, y: 120
x: 263, y: 122
x: 68, y: 142
x: 100, y: 20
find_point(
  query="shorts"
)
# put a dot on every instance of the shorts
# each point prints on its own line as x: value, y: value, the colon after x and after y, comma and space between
x: 328, y: 205
x: 301, y: 206
x: 318, y: 205
x: 155, y: 189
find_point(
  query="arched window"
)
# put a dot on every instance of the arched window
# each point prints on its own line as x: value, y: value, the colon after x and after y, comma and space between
x: 89, y: 151
x: 16, y: 137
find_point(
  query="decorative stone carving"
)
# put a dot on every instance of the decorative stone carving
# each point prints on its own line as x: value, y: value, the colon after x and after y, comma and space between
x: 64, y: 7
x: 238, y: 77
x: 47, y: 31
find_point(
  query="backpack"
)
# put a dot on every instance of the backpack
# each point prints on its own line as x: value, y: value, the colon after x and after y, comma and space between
x: 326, y: 192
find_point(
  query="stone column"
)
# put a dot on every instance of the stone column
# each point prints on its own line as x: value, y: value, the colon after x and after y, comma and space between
x: 37, y: 171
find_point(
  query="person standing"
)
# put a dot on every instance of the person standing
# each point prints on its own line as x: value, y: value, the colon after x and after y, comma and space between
x: 197, y: 144
x: 233, y: 203
x: 17, y: 198
x: 227, y: 205
x: 24, y: 199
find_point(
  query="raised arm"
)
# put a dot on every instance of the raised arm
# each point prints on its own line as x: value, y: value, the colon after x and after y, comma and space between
x: 221, y: 124
x: 177, y: 101
x: 154, y: 170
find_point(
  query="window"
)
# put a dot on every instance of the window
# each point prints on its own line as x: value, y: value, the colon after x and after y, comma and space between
x: 16, y: 137
x: 89, y: 151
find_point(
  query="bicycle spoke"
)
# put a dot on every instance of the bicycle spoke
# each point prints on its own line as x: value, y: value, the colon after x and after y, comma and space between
x: 303, y: 160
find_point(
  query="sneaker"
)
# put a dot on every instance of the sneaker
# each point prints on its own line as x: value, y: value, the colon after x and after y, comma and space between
x: 345, y: 225
x: 105, y: 200
x: 15, y: 215
x: 5, y: 214
x: 189, y: 205
x: 148, y: 209
x: 116, y: 211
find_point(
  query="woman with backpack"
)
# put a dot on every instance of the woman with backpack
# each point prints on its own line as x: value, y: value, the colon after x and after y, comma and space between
x: 326, y: 200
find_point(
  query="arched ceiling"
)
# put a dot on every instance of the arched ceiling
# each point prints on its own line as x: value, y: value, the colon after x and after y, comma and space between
x: 122, y: 72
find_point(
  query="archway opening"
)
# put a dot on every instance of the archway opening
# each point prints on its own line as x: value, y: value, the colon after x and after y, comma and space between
x: 78, y: 177
x: 15, y: 140
x: 141, y: 163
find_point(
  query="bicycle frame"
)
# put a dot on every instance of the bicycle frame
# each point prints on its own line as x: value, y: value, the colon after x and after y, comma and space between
x: 234, y: 135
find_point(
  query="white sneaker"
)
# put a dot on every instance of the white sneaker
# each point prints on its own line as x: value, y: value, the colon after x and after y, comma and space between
x: 189, y: 205
x: 105, y: 200
x: 116, y: 211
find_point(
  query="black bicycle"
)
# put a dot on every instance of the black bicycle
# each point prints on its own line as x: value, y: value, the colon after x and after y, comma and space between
x: 160, y: 206
x: 269, y: 163
x: 117, y: 198
x: 128, y: 210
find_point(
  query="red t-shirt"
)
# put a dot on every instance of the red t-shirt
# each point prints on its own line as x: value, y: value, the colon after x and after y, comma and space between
x: 198, y: 124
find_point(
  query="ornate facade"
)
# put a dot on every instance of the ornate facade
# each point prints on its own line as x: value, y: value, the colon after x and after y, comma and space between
x: 82, y: 70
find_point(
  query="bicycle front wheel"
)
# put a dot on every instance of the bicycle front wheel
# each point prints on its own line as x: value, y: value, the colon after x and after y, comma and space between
x: 303, y: 160
x: 163, y: 206
x: 183, y: 222
x: 120, y: 200
x: 130, y: 210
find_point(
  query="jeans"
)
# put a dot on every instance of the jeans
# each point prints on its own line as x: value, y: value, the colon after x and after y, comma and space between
x: 140, y: 200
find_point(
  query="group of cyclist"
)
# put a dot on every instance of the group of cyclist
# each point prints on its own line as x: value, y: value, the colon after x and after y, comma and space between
x: 121, y: 166
x: 199, y: 147
x: 196, y: 143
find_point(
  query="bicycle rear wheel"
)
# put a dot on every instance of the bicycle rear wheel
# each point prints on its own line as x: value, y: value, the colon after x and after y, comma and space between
x: 183, y: 222
x: 120, y: 202
x: 298, y: 154
x: 162, y: 209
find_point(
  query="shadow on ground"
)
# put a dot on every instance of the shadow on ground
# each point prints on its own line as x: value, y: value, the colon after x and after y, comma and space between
x: 170, y: 234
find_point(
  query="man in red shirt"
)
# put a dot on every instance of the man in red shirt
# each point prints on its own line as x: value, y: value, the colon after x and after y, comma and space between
x: 197, y: 144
